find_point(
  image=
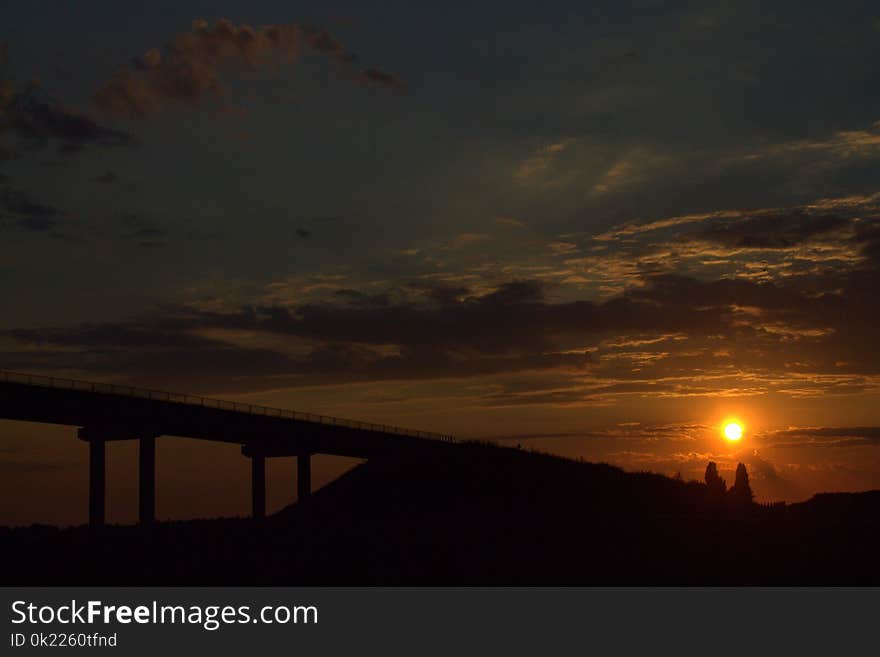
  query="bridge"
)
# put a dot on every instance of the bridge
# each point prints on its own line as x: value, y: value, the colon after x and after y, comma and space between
x: 106, y: 412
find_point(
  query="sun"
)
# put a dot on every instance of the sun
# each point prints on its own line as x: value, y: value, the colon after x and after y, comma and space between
x: 733, y: 431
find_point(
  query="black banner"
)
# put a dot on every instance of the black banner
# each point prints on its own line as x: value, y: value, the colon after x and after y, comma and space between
x: 384, y: 621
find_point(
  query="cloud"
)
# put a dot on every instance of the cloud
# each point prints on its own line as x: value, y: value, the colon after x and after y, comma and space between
x: 847, y: 206
x: 510, y: 221
x: 29, y: 214
x: 463, y: 339
x: 18, y: 202
x: 612, y: 178
x: 827, y: 239
x: 773, y: 230
x: 629, y: 229
x: 37, y: 119
x: 232, y: 112
x: 190, y: 67
x: 324, y: 42
x: 148, y: 61
x: 450, y: 332
x: 842, y: 144
x: 377, y: 78
x: 464, y: 241
x: 146, y: 233
x: 540, y: 163
x: 629, y: 170
x: 824, y: 437
x: 653, y: 325
x: 108, y: 178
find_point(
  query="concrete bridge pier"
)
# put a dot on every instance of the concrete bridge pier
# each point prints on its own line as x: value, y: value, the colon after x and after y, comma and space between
x: 258, y: 485
x: 258, y: 455
x: 97, y: 438
x: 147, y: 480
x: 303, y: 476
x: 97, y: 483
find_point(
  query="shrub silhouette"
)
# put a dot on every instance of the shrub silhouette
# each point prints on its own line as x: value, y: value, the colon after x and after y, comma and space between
x: 741, y: 492
x: 714, y: 483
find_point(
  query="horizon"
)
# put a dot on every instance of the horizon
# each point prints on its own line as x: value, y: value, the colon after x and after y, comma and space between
x: 604, y: 232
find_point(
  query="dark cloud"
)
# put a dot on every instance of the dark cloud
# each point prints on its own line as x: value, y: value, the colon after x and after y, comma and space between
x: 148, y: 61
x: 761, y: 468
x: 513, y: 328
x: 19, y: 203
x: 324, y: 42
x: 772, y: 231
x: 146, y: 233
x: 36, y: 119
x: 769, y: 480
x: 808, y: 333
x: 7, y: 93
x: 379, y: 78
x: 107, y: 178
x: 62, y: 74
x: 674, y: 291
x: 824, y: 437
x: 867, y: 235
x: 29, y: 214
x: 110, y: 336
x: 448, y: 294
x: 190, y: 67
x: 38, y: 223
x: 472, y: 348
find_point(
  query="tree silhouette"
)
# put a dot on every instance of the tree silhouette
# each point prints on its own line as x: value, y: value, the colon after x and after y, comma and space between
x: 716, y: 485
x: 741, y: 492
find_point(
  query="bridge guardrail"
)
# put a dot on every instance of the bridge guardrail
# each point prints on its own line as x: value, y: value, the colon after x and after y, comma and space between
x: 209, y: 402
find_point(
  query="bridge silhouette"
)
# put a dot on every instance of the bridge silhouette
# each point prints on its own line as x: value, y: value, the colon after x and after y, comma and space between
x: 106, y: 412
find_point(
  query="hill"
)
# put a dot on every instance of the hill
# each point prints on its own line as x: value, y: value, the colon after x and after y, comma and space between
x: 478, y: 515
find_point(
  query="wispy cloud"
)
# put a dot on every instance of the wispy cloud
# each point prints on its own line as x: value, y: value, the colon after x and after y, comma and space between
x: 377, y: 78
x: 841, y: 144
x: 636, y: 166
x: 541, y: 162
x: 189, y: 69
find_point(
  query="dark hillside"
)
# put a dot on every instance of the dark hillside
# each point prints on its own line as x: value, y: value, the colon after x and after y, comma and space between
x: 479, y: 515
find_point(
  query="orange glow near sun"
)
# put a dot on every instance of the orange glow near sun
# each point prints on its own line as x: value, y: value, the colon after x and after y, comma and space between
x: 733, y: 431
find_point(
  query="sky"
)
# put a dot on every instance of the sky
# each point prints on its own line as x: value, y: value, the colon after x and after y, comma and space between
x: 598, y: 229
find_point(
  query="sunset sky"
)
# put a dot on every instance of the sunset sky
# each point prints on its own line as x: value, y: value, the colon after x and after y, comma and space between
x: 593, y: 228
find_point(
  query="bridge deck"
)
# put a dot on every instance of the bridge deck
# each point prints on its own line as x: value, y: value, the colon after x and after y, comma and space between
x: 123, y: 412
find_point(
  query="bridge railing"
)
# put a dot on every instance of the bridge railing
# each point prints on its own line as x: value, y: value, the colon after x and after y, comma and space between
x: 208, y: 402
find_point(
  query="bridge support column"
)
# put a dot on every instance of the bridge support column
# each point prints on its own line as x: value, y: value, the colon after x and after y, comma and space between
x: 97, y: 482
x: 258, y: 485
x: 303, y: 476
x: 147, y: 480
